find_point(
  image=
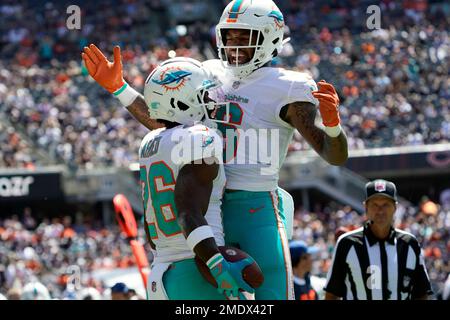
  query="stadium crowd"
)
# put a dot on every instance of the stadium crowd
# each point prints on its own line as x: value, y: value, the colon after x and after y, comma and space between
x: 393, y: 82
x: 45, y: 251
x: 54, y: 252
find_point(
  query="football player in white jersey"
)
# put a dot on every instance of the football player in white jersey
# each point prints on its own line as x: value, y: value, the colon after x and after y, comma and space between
x: 249, y: 36
x: 182, y: 181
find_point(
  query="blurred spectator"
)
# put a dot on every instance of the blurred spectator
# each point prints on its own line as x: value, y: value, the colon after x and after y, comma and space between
x: 339, y: 232
x: 302, y: 262
x: 120, y: 291
x: 134, y: 295
x: 90, y: 294
x: 35, y: 291
x: 14, y: 293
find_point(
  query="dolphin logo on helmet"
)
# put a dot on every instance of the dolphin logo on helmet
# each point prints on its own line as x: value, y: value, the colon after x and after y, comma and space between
x: 172, y: 77
x: 276, y: 15
x: 279, y: 20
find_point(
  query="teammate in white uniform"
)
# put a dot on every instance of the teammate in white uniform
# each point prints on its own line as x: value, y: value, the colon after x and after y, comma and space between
x: 158, y: 175
x: 249, y: 35
x: 177, y: 162
x: 255, y: 110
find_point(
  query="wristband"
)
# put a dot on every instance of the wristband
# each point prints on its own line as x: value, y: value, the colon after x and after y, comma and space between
x: 214, y: 260
x: 199, y: 234
x: 333, y: 131
x: 126, y: 94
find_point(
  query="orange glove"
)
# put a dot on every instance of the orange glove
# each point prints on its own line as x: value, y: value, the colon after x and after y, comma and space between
x: 328, y: 103
x: 107, y: 74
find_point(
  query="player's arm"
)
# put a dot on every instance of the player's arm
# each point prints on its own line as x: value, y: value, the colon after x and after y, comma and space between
x: 331, y: 143
x: 109, y: 75
x: 301, y: 115
x: 138, y: 108
x: 192, y: 194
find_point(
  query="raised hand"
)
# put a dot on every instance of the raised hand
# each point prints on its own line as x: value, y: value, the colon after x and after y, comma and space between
x: 328, y: 103
x: 107, y: 74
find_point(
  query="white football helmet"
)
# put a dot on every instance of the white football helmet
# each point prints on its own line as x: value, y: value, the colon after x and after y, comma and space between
x: 265, y: 22
x: 180, y: 90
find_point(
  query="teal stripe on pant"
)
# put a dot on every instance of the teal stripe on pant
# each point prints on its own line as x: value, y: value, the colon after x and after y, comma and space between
x: 254, y: 222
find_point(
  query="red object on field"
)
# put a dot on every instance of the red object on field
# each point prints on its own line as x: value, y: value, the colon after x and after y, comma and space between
x: 252, y: 274
x: 139, y: 253
x: 125, y: 216
x: 128, y: 225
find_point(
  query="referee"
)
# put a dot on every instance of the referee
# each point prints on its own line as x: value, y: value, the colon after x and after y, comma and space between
x: 376, y: 261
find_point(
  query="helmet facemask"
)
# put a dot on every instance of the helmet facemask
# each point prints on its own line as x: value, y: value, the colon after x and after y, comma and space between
x: 263, y: 20
x: 228, y: 53
x: 212, y: 108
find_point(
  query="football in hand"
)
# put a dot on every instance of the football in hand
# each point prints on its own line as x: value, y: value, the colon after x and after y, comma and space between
x: 252, y: 274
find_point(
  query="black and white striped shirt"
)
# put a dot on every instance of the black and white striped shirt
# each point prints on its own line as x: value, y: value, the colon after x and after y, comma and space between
x: 365, y: 268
